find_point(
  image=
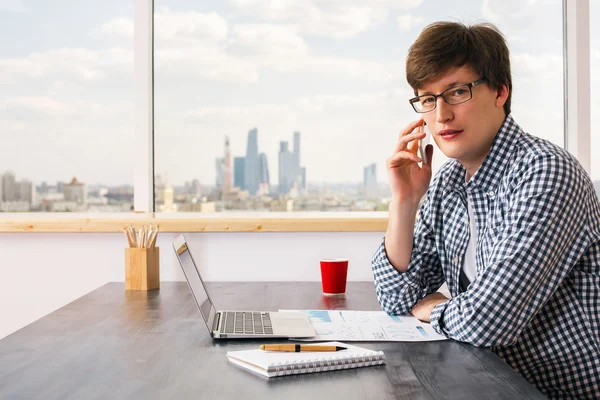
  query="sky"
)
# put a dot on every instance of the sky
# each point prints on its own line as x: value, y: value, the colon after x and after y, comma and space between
x: 332, y: 70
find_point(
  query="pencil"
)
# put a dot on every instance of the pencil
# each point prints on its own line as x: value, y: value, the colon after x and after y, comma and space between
x: 296, y: 348
x: 149, y: 239
x: 127, y: 236
x: 142, y: 237
x: 132, y: 238
x: 133, y: 235
x: 153, y: 242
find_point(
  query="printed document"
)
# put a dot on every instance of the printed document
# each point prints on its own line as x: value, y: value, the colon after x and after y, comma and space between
x: 345, y: 325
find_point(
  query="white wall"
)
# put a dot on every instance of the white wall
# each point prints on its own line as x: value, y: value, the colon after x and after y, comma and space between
x: 42, y: 272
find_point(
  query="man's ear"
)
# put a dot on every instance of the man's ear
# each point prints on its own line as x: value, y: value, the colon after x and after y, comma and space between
x: 501, y: 94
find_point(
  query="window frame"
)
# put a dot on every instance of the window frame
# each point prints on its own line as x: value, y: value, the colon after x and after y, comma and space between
x: 577, y: 80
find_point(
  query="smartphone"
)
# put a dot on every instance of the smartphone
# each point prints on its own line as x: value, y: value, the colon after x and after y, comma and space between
x: 424, y: 142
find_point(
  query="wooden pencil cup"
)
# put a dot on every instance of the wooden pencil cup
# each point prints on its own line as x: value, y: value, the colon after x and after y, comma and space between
x: 141, y: 268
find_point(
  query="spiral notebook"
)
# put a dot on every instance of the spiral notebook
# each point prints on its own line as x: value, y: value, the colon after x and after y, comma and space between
x: 270, y: 364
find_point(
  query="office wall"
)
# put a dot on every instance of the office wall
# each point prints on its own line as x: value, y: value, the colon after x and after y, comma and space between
x: 42, y: 272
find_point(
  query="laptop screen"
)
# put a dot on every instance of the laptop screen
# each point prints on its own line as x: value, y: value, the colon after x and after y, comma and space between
x: 195, y: 282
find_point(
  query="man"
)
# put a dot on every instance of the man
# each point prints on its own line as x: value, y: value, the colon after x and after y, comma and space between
x: 511, y: 223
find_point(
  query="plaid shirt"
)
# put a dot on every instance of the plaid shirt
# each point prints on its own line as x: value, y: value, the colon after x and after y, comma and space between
x: 536, y: 298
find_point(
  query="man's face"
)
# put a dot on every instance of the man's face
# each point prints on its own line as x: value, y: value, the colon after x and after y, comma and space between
x: 465, y: 131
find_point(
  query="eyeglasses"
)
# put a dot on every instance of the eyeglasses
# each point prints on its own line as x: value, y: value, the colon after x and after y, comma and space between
x: 454, y: 95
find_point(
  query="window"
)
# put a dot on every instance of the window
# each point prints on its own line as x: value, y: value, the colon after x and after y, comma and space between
x: 291, y: 107
x: 595, y: 92
x: 66, y: 106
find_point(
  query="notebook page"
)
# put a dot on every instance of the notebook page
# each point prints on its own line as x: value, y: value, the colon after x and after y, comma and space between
x: 252, y: 368
x: 269, y: 361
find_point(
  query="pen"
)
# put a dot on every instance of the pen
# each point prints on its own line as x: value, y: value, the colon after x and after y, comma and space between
x: 299, y: 347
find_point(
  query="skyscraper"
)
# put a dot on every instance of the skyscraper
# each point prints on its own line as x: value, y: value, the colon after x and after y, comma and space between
x: 238, y: 172
x: 302, y: 182
x: 290, y: 172
x: 264, y: 170
x: 286, y: 168
x: 9, y: 187
x: 27, y: 191
x: 252, y: 163
x: 220, y: 169
x: 227, y: 166
x: 297, y: 148
x: 370, y: 178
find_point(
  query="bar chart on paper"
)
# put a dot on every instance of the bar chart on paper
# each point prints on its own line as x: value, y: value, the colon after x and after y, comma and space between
x: 368, y: 326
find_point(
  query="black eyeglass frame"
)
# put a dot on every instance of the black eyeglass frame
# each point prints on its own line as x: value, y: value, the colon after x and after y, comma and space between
x: 470, y: 85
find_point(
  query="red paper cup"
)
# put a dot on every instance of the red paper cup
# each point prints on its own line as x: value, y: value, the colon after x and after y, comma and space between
x: 333, y: 276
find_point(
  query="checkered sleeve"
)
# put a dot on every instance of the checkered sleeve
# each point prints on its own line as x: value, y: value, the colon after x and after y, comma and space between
x: 399, y: 292
x: 535, y: 243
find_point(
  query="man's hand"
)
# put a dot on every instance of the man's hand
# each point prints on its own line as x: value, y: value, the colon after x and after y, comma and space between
x: 424, y: 307
x: 409, y: 182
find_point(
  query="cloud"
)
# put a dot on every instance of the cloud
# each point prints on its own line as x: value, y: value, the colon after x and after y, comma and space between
x: 266, y: 39
x: 13, y: 6
x: 193, y: 45
x: 121, y: 27
x: 215, y: 64
x: 51, y: 138
x: 73, y: 64
x: 538, y: 67
x: 254, y: 48
x: 495, y: 11
x: 407, y: 21
x: 516, y: 38
x: 34, y: 108
x: 323, y: 17
x: 324, y: 104
x: 204, y: 63
x: 350, y: 68
x: 172, y: 28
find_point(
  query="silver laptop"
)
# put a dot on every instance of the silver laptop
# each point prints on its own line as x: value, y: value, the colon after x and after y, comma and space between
x: 238, y: 324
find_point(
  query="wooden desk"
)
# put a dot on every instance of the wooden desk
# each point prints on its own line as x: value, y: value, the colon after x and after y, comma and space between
x: 137, y: 345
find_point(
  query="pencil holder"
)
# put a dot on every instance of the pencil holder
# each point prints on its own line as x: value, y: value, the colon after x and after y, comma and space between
x: 141, y: 268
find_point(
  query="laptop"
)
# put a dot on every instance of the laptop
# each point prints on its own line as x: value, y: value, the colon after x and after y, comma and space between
x: 231, y: 324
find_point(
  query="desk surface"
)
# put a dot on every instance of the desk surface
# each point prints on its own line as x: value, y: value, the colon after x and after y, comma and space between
x: 116, y: 344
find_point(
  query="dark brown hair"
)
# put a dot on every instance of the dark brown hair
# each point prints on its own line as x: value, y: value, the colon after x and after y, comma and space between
x: 444, y: 45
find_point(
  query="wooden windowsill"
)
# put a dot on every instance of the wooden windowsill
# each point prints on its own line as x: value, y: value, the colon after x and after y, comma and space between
x: 196, y: 222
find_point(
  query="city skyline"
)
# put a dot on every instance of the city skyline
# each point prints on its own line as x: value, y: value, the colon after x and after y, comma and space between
x: 251, y: 172
x: 76, y: 196
x: 335, y: 73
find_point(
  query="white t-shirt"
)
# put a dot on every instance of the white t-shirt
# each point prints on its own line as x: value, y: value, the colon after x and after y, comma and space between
x: 470, y: 265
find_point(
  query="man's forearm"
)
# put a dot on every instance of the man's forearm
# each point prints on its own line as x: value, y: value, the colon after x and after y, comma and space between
x: 423, y: 308
x: 399, y: 235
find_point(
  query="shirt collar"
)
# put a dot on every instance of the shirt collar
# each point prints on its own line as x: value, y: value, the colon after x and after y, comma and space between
x: 492, y: 169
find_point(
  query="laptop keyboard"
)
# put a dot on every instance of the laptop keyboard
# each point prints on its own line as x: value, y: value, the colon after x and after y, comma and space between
x: 247, y: 322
